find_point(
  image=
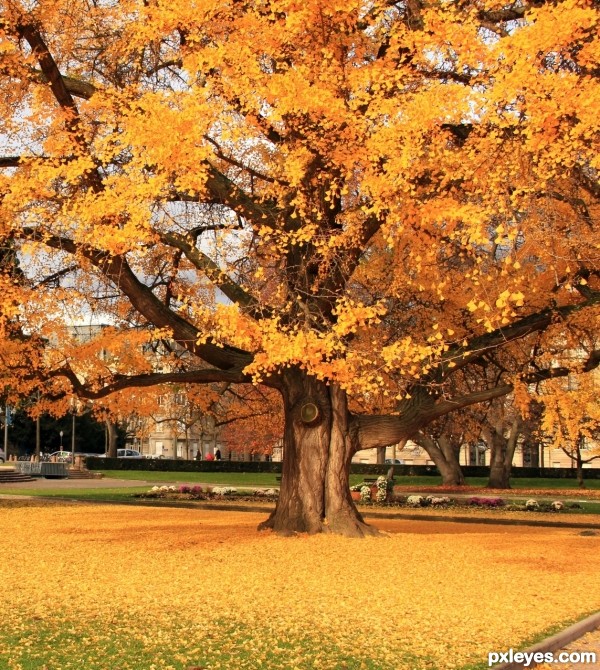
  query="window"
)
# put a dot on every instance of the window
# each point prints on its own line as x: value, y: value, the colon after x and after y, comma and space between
x: 477, y: 454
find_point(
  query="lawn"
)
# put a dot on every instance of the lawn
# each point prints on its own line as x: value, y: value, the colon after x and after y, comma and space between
x: 266, y: 479
x: 251, y: 479
x: 136, y: 588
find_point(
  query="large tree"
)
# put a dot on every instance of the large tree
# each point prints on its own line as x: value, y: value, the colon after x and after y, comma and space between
x: 345, y: 202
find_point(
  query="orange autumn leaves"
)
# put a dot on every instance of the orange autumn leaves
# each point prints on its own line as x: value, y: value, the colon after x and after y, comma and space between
x: 342, y: 165
x: 113, y: 585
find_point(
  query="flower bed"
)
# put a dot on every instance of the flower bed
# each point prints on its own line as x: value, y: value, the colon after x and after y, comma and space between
x: 196, y: 492
x: 373, y: 495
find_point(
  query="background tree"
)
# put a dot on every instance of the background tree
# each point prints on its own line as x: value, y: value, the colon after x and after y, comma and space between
x: 571, y: 418
x: 251, y: 421
x: 334, y: 201
x: 89, y: 433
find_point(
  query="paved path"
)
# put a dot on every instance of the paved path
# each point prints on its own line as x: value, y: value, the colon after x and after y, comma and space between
x: 41, y: 483
x: 588, y: 643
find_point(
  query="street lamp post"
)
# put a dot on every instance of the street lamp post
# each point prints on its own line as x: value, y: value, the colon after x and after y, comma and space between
x: 6, y: 416
x: 61, y: 436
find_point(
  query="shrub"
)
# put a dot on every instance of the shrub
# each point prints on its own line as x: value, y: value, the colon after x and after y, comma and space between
x: 365, y: 493
x: 382, y: 489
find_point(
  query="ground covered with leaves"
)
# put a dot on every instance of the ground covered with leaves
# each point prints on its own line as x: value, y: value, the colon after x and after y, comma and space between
x: 133, y: 588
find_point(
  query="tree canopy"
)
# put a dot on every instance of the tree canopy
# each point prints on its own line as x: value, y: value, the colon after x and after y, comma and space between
x: 347, y: 202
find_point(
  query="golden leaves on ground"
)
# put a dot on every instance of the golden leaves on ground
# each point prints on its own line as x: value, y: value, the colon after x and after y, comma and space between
x: 117, y: 587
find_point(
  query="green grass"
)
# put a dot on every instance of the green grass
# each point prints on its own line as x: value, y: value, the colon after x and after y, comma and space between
x: 75, y: 644
x: 251, y: 479
x: 266, y: 479
x: 258, y: 480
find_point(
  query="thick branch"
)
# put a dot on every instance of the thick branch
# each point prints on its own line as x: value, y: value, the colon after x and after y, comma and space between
x: 419, y: 411
x: 118, y: 271
x: 224, y: 191
x: 76, y: 87
x: 202, y: 262
x: 460, y: 357
x: 50, y: 71
x: 122, y: 382
x: 61, y: 92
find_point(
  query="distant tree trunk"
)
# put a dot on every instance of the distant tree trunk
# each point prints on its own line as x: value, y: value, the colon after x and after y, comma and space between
x: 502, y: 453
x: 577, y: 459
x: 579, y: 465
x: 111, y: 438
x: 381, y: 455
x: 444, y: 456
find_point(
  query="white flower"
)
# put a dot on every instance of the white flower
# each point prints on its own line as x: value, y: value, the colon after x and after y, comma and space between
x: 441, y: 500
x: 155, y: 488
x: 163, y: 488
x: 531, y: 504
x: 557, y: 505
x: 414, y: 501
x: 365, y: 494
x: 223, y: 490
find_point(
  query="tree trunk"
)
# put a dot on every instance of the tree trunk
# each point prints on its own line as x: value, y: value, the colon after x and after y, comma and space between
x: 502, y: 454
x: 579, y: 462
x: 580, y: 481
x: 111, y: 439
x: 320, y: 438
x: 499, y: 477
x: 319, y: 441
x: 444, y: 457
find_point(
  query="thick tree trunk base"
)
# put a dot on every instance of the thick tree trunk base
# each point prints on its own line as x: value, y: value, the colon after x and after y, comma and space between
x: 346, y: 524
x: 499, y: 477
x: 498, y: 484
x: 452, y: 478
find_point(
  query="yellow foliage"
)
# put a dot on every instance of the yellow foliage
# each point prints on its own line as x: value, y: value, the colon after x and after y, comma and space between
x: 316, y: 184
x: 187, y: 585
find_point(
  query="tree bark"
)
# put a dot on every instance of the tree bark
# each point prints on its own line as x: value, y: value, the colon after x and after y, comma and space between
x: 444, y: 457
x: 319, y: 441
x: 502, y: 454
x: 579, y: 461
x: 111, y: 441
